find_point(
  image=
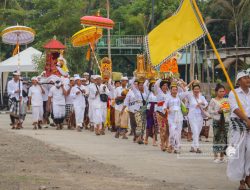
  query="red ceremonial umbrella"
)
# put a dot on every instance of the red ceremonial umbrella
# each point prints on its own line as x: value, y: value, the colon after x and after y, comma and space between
x: 98, y: 21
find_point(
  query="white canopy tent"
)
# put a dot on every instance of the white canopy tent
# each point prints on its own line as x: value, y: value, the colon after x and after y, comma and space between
x: 27, y: 64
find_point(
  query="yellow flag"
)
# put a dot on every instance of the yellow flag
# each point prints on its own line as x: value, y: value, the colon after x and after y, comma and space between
x: 173, y: 34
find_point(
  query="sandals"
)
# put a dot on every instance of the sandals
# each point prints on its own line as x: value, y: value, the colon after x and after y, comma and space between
x: 154, y: 144
x: 192, y: 150
x: 176, y: 151
x: 198, y: 151
x: 242, y: 185
x: 170, y: 149
x: 247, y: 181
x: 124, y: 137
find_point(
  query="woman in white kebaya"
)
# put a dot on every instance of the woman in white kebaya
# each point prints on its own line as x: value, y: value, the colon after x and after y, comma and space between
x: 196, y: 104
x: 172, y: 106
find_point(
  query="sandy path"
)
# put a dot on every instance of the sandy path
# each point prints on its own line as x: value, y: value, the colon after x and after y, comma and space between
x: 139, y: 160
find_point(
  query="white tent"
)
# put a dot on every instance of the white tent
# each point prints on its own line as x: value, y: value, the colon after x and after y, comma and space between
x: 27, y: 64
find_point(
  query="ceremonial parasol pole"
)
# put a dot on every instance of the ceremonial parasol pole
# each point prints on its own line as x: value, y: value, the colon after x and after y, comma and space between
x: 109, y: 45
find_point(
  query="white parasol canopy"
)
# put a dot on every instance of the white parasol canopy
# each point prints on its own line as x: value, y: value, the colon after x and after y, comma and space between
x: 18, y: 35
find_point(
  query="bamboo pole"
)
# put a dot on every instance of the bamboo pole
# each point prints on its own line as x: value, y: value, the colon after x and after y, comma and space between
x: 186, y: 66
x: 218, y: 56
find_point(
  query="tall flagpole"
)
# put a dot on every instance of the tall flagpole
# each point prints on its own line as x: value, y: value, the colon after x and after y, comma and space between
x: 109, y: 45
x: 218, y: 56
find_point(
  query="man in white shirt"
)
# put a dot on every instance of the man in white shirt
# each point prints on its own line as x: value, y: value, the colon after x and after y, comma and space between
x: 36, y: 100
x: 121, y: 120
x: 43, y: 82
x: 112, y: 105
x: 99, y: 95
x: 14, y: 89
x: 86, y: 76
x: 58, y: 94
x: 85, y: 83
x: 133, y: 102
x: 68, y: 85
x: 239, y: 143
x: 91, y: 87
x: 77, y: 93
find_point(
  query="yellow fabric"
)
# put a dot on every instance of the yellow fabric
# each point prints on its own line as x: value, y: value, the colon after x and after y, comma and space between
x: 16, y: 50
x: 173, y: 34
x: 107, y: 122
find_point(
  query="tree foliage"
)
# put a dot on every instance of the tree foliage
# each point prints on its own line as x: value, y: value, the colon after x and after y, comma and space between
x: 61, y: 18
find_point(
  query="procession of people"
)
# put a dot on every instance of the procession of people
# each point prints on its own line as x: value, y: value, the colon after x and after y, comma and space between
x: 142, y: 109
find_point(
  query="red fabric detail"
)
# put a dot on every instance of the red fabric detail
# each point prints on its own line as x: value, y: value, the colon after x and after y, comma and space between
x: 160, y: 103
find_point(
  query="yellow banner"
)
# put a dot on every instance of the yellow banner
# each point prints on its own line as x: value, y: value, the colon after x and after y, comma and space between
x: 173, y: 34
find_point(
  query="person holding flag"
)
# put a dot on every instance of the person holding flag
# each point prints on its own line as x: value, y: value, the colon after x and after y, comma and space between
x: 239, y: 143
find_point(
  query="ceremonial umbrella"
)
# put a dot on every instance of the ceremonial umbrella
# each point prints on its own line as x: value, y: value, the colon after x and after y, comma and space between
x: 18, y: 35
x: 87, y: 36
x: 98, y: 21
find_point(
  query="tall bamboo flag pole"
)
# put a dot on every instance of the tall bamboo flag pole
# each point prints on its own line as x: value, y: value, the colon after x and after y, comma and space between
x: 218, y: 57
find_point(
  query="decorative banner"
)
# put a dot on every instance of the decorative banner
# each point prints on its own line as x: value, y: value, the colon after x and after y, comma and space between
x: 173, y: 34
x: 106, y: 68
x: 170, y: 66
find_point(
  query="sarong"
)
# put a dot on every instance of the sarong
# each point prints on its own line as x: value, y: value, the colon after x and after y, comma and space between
x: 152, y: 126
x: 220, y: 137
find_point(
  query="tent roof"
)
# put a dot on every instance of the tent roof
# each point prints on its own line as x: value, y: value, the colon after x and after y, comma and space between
x: 26, y: 61
x: 54, y: 44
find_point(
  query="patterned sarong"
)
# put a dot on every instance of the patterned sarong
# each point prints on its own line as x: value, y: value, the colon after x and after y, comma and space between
x: 14, y: 107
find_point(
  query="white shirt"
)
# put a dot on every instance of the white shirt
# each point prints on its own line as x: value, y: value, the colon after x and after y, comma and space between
x: 117, y: 93
x: 173, y: 104
x: 161, y: 96
x: 46, y: 92
x: 69, y: 98
x: 78, y: 99
x: 244, y: 99
x: 14, y: 86
x: 193, y: 102
x: 131, y: 102
x: 57, y: 95
x: 35, y: 92
x: 95, y: 99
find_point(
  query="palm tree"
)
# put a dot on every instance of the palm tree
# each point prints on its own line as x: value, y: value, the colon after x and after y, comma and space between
x: 235, y: 11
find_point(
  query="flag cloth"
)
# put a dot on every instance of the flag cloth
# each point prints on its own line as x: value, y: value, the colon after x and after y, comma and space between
x: 173, y: 34
x: 223, y: 40
x: 16, y: 50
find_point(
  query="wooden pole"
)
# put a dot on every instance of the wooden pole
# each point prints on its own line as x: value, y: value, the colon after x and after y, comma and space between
x: 218, y: 57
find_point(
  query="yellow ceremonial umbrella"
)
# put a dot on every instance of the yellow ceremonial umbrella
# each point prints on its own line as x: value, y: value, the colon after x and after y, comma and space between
x: 87, y: 36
